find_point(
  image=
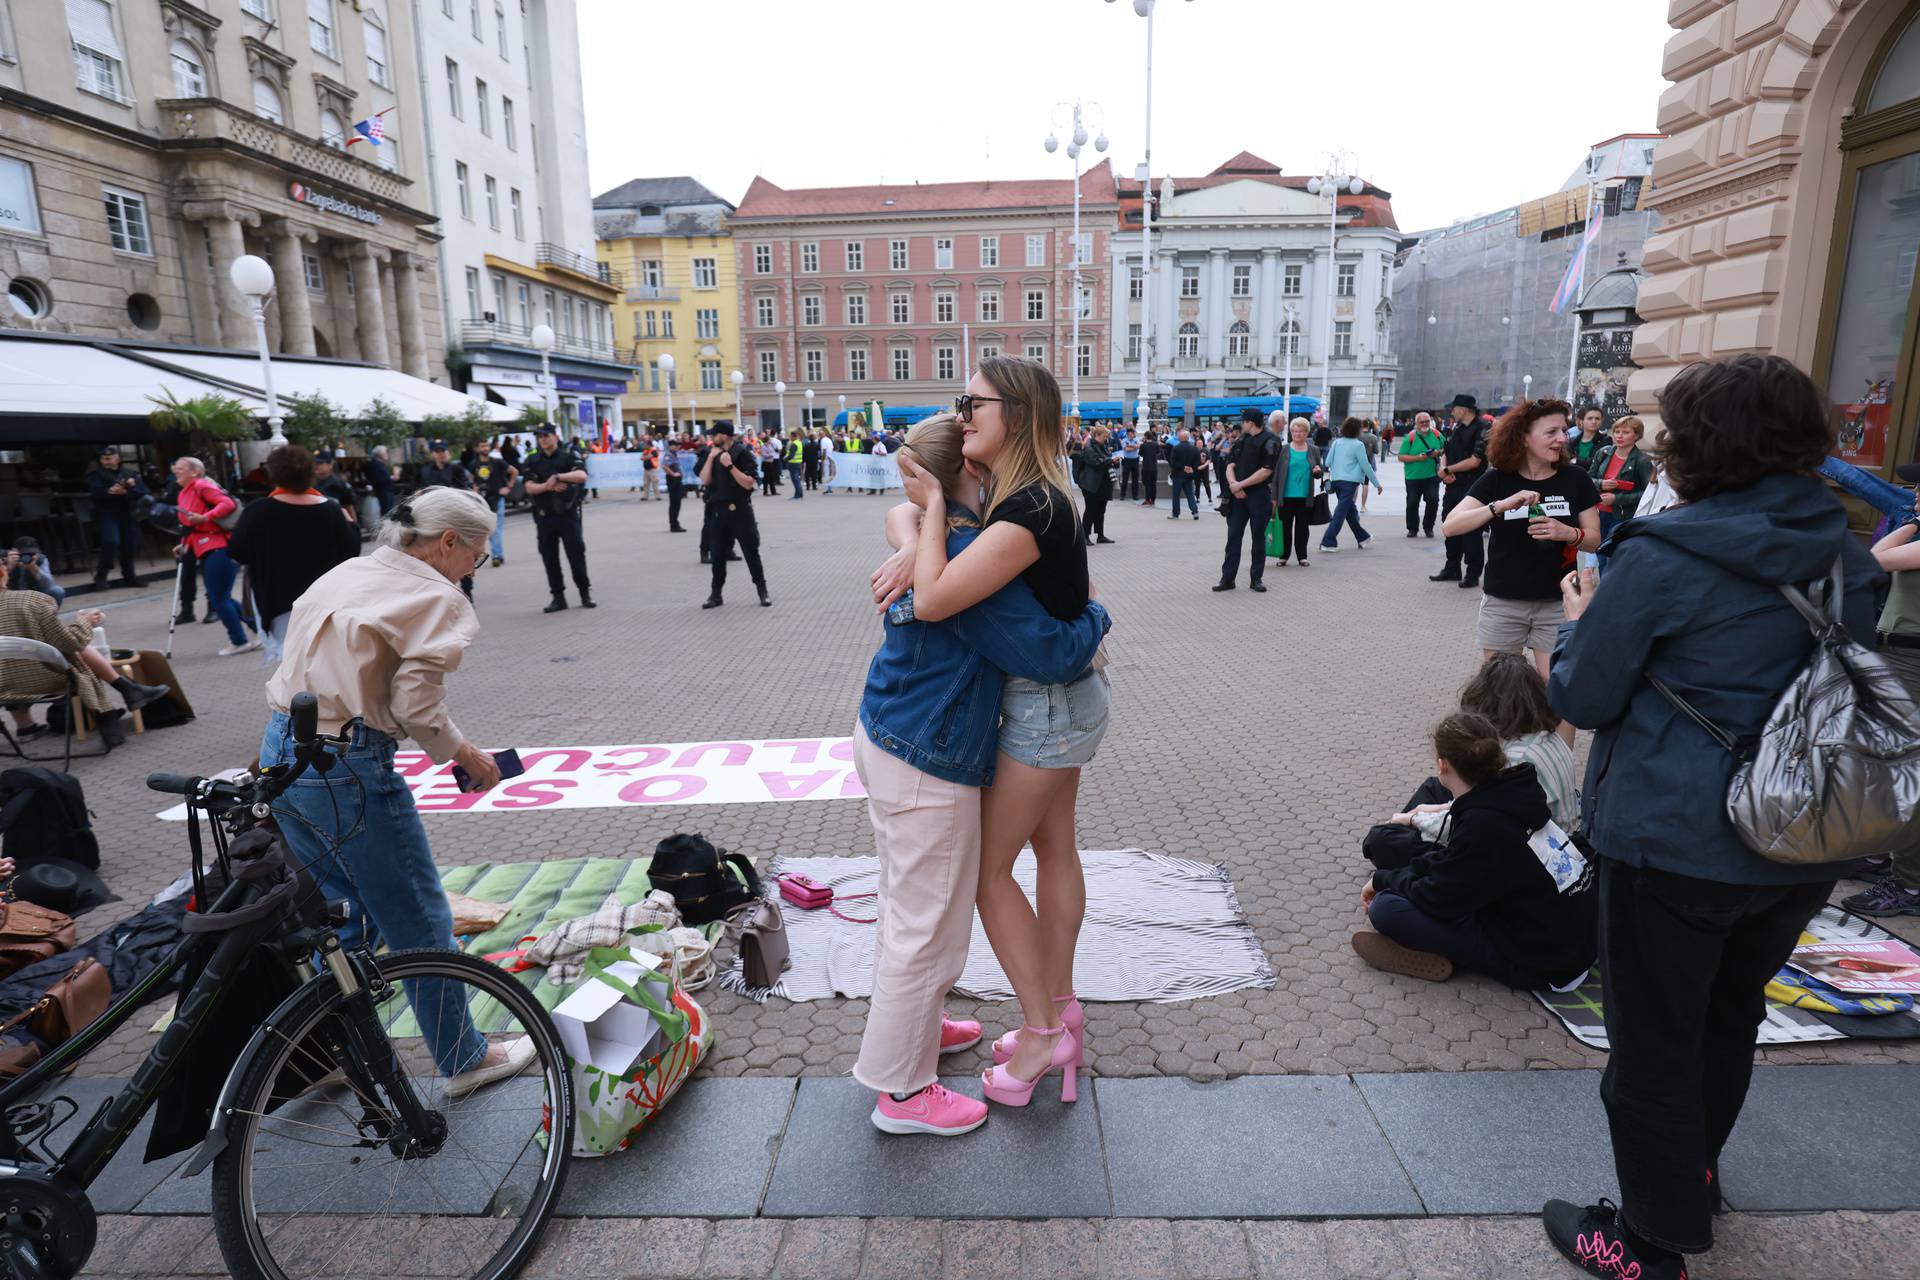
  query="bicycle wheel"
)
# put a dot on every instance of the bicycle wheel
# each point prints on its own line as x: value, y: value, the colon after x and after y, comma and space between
x: 310, y: 1183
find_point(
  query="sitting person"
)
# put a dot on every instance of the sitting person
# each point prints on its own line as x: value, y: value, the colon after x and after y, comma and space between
x: 31, y: 615
x: 1493, y: 899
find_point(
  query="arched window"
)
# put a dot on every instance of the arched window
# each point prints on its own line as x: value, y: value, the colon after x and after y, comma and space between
x: 1290, y: 339
x: 266, y: 101
x: 189, y: 71
x: 1189, y: 340
x: 1899, y: 78
x: 1237, y: 339
x: 333, y: 131
x: 1382, y: 324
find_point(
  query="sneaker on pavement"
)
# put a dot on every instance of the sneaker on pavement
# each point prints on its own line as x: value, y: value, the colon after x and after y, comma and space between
x: 935, y: 1109
x: 1593, y: 1240
x: 957, y: 1034
x: 1885, y: 897
x: 247, y: 646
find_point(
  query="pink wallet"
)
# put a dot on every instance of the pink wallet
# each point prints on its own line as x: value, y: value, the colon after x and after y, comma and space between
x: 805, y: 892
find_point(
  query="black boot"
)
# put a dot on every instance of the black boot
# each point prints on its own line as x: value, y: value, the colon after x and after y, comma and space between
x: 1445, y: 575
x: 185, y: 615
x: 586, y: 599
x: 705, y: 558
x: 713, y: 601
x: 113, y: 728
x: 556, y: 605
x: 137, y: 695
x: 766, y: 601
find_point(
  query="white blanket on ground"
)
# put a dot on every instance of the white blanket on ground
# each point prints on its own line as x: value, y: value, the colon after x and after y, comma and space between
x: 1157, y: 929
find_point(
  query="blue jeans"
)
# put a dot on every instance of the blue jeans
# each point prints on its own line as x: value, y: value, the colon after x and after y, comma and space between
x: 383, y: 867
x: 797, y: 473
x: 1881, y: 495
x: 218, y: 567
x: 119, y: 539
x: 1184, y: 484
x: 497, y: 544
x: 1460, y: 941
x: 1344, y: 512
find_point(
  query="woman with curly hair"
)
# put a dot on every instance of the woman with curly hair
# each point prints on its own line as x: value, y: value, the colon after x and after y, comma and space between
x: 1542, y: 512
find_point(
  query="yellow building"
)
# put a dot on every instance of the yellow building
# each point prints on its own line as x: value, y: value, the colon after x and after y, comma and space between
x: 668, y: 238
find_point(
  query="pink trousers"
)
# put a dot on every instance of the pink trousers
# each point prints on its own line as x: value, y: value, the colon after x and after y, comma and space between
x: 928, y: 834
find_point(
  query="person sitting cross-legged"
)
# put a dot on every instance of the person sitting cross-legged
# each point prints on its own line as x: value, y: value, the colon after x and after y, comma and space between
x: 32, y: 616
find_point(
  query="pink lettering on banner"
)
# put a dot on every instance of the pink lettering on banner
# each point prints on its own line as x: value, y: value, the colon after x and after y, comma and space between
x: 804, y: 750
x: 443, y: 795
x: 412, y: 764
x: 694, y: 757
x: 531, y: 794
x: 663, y: 788
x: 851, y: 786
x: 795, y: 786
x: 842, y: 749
x: 646, y: 759
x: 575, y: 757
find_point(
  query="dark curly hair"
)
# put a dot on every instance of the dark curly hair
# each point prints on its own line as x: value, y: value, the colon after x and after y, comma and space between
x: 1350, y: 428
x: 1731, y: 423
x: 1507, y: 441
x: 290, y: 467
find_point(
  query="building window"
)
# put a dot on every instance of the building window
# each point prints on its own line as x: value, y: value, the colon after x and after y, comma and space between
x: 127, y: 221
x: 763, y: 312
x: 709, y: 375
x: 453, y: 89
x: 943, y: 307
x: 473, y: 18
x: 706, y: 274
x: 481, y: 109
x: 266, y: 102
x: 1086, y: 302
x: 1136, y: 283
x: 1188, y: 341
x: 810, y: 309
x: 897, y: 254
x: 546, y: 307
x: 1380, y: 332
x: 1344, y: 279
x: 990, y: 304
x: 943, y: 363
x: 473, y: 293
x: 1293, y: 278
x: 500, y: 300
x: 500, y: 31
x: 706, y: 322
x: 856, y: 308
x: 506, y: 123
x: 1343, y: 337
x: 1084, y: 361
x: 333, y: 131
x: 460, y: 186
x: 1189, y: 282
x: 1133, y: 343
x: 763, y: 259
x: 810, y: 258
x: 666, y: 324
x: 320, y: 27
x: 375, y: 37
x: 650, y: 320
x: 387, y: 154
x: 189, y: 72
x: 650, y: 273
x: 316, y: 276
x: 816, y: 365
x: 566, y: 315
x: 1037, y: 352
x: 1036, y: 251
x: 1238, y: 338
x: 857, y: 365
x: 856, y: 256
x: 989, y: 350
x: 902, y: 364
x: 943, y: 254
x: 769, y: 366
x: 519, y: 213
x: 262, y: 9
x: 1242, y: 281
x: 1036, y: 304
x: 1085, y: 246
x: 900, y: 307
x: 989, y: 251
x: 493, y: 203
x: 1386, y: 278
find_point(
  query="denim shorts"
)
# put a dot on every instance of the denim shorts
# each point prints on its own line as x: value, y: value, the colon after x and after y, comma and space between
x: 1054, y: 726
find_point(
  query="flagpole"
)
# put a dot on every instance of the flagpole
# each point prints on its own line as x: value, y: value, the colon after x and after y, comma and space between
x: 1573, y: 356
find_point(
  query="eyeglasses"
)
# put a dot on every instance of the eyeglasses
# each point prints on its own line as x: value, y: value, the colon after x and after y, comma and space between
x: 963, y: 405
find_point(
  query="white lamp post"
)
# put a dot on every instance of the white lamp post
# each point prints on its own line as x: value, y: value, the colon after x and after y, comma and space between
x: 1288, y: 336
x: 843, y: 404
x: 254, y: 279
x: 809, y: 422
x: 1076, y: 141
x: 666, y: 371
x: 542, y: 337
x: 693, y: 413
x: 1330, y: 185
x: 737, y: 377
x: 780, y: 390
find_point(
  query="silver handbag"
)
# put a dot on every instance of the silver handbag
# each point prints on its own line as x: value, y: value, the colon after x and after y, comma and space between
x: 1835, y: 774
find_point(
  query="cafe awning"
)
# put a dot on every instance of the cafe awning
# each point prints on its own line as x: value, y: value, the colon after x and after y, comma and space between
x: 350, y: 386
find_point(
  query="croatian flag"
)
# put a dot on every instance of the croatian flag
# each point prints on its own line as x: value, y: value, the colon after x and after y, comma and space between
x: 1568, y: 292
x: 372, y: 129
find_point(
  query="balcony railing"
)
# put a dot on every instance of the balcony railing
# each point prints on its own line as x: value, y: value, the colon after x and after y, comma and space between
x: 483, y: 333
x: 1239, y: 362
x: 553, y: 255
x: 1189, y: 362
x: 653, y: 293
x: 198, y: 122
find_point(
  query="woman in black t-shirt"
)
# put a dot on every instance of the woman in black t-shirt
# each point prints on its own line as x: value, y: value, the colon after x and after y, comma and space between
x: 1542, y: 513
x: 1013, y: 431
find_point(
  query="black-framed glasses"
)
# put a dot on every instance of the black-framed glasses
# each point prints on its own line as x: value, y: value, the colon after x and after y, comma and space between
x: 963, y: 405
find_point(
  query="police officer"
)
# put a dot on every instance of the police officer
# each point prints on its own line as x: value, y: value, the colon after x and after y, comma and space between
x: 1250, y: 464
x: 556, y: 478
x: 331, y: 483
x: 728, y: 475
x: 443, y: 472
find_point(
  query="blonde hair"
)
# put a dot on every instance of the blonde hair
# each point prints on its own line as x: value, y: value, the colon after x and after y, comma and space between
x: 933, y: 445
x: 1036, y: 434
x: 1633, y: 422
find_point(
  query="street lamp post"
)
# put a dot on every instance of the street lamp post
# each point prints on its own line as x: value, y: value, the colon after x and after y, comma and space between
x: 808, y: 424
x: 542, y: 337
x: 254, y: 279
x: 1287, y: 336
x: 843, y: 404
x: 1076, y: 141
x: 737, y: 377
x: 780, y: 390
x: 693, y: 412
x: 666, y: 371
x: 1330, y: 184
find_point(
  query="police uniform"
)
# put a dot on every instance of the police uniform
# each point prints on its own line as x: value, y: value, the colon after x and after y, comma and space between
x: 447, y: 475
x: 1249, y: 455
x: 730, y: 517
x: 556, y: 519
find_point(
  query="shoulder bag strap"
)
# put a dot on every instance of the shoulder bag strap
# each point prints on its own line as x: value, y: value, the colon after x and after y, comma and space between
x: 1712, y: 730
x: 1821, y: 602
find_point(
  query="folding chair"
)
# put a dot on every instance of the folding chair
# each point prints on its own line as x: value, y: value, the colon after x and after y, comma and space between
x: 19, y: 648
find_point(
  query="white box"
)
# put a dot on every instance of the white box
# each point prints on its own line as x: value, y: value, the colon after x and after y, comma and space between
x: 601, y: 1028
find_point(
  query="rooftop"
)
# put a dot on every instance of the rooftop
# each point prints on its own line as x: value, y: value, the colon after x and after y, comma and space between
x: 766, y: 200
x: 1373, y: 207
x: 664, y: 192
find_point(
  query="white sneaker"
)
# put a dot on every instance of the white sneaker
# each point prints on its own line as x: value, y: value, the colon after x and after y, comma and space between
x: 233, y: 649
x: 1327, y: 551
x: 519, y: 1053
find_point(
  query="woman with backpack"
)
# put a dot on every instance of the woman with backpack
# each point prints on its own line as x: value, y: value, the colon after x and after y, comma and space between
x: 202, y: 506
x: 1693, y: 923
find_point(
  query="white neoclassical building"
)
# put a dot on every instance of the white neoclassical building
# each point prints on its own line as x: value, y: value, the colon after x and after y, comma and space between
x: 1244, y: 258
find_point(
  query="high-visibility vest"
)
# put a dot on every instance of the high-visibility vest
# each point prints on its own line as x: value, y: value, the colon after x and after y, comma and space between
x: 794, y: 447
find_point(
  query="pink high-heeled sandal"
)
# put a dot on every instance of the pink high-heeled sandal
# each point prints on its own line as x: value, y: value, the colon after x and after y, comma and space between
x: 1072, y: 1016
x: 1002, y: 1086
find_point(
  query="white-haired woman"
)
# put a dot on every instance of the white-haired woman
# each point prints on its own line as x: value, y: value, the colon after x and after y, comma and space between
x: 374, y: 639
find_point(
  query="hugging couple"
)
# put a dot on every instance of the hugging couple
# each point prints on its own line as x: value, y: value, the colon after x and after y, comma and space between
x: 982, y: 704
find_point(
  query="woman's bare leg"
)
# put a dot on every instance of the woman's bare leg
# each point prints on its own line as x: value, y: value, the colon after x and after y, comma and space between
x: 1061, y: 887
x: 1011, y: 810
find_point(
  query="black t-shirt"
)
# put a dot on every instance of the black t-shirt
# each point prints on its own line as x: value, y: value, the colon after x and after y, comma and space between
x: 1257, y: 452
x: 1518, y: 566
x: 721, y: 488
x: 1059, y: 576
x: 1466, y: 442
x: 542, y: 466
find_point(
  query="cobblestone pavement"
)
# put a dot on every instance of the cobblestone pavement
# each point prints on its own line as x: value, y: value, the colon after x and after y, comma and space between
x: 1831, y: 1246
x: 1264, y: 732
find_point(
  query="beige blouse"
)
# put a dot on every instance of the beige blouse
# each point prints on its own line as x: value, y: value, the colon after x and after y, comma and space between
x: 376, y: 637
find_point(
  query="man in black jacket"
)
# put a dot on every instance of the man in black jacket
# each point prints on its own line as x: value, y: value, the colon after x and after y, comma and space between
x: 1250, y: 465
x: 729, y: 476
x: 114, y: 487
x: 1150, y: 467
x: 1462, y: 461
x: 1183, y: 468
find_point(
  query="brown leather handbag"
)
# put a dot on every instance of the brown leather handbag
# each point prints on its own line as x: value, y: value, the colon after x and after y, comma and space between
x: 68, y: 1005
x: 30, y: 934
x: 763, y: 945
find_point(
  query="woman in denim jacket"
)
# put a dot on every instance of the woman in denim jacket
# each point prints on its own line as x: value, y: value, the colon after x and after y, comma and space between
x: 924, y: 747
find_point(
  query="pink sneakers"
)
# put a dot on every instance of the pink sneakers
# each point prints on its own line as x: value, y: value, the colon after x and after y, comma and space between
x: 935, y: 1109
x: 956, y: 1035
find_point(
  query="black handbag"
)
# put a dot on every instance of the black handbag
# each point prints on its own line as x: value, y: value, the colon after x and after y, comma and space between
x: 1322, y: 509
x: 697, y: 875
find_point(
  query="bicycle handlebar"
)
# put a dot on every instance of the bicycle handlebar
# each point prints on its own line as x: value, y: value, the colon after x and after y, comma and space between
x: 264, y: 786
x: 173, y: 783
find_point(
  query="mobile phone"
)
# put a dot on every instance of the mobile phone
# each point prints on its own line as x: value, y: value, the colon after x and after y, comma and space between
x: 508, y: 762
x: 1585, y: 560
x: 900, y: 612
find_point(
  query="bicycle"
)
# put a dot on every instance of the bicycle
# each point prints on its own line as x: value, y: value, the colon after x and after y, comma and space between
x: 336, y: 1129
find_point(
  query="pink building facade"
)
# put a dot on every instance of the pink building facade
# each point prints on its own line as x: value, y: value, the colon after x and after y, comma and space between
x: 894, y: 293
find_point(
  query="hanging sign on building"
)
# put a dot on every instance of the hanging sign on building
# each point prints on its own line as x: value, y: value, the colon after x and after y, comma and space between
x: 19, y: 210
x: 304, y: 194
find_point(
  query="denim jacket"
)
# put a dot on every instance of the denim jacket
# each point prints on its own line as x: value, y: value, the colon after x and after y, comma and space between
x: 933, y: 690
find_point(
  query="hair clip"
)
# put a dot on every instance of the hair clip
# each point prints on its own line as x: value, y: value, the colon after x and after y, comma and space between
x: 404, y: 514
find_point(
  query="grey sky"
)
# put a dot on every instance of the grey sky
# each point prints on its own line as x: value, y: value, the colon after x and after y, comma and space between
x: 1456, y: 109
